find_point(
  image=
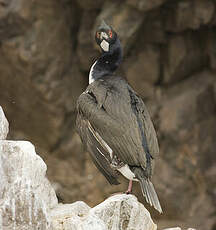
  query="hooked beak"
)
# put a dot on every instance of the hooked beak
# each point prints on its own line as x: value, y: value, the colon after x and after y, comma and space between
x: 103, y: 35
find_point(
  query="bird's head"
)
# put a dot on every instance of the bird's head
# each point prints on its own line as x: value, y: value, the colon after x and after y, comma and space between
x: 105, y: 36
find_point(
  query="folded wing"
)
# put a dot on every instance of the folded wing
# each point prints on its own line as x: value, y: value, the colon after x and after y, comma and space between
x: 121, y: 119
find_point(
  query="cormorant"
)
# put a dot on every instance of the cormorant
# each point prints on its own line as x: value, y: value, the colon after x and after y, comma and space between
x: 113, y: 121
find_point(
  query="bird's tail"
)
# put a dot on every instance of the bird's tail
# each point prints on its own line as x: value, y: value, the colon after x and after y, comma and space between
x: 150, y: 194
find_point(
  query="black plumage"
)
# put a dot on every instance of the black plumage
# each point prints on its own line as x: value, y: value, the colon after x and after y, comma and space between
x: 114, y: 123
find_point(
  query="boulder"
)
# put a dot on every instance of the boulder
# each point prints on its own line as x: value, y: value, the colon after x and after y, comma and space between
x: 117, y: 212
x: 123, y: 212
x: 25, y: 193
x: 70, y: 216
x: 4, y: 125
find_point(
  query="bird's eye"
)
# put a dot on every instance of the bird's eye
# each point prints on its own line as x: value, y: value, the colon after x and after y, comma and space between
x: 110, y: 33
x: 98, y: 35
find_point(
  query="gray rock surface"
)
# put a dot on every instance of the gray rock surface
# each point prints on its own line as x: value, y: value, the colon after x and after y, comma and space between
x: 4, y: 125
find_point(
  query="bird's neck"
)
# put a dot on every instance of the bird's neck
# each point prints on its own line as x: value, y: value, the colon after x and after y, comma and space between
x: 107, y: 63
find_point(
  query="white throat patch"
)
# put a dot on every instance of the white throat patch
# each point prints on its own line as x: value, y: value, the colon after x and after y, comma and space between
x: 91, y: 78
x: 103, y: 35
x: 105, y: 45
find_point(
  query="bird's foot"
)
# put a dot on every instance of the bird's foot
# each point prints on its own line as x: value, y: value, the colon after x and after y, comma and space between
x: 129, y: 190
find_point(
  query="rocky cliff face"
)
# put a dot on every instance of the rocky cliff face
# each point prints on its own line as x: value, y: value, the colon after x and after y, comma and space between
x: 46, y: 50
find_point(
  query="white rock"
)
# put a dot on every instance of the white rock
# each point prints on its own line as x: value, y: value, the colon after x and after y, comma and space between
x: 124, y: 212
x: 174, y: 228
x: 118, y: 212
x: 64, y: 216
x: 177, y: 228
x: 75, y: 217
x: 78, y: 208
x: 4, y: 126
x: 26, y: 195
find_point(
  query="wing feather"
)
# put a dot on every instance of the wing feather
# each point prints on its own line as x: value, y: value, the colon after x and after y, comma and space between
x: 98, y: 151
x: 122, y: 126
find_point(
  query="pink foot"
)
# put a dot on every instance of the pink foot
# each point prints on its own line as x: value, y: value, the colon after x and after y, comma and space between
x: 129, y: 190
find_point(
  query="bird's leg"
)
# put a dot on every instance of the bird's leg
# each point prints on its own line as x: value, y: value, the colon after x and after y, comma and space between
x: 129, y: 190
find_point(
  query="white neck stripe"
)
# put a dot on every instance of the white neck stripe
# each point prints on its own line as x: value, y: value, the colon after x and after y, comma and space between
x: 91, y: 78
